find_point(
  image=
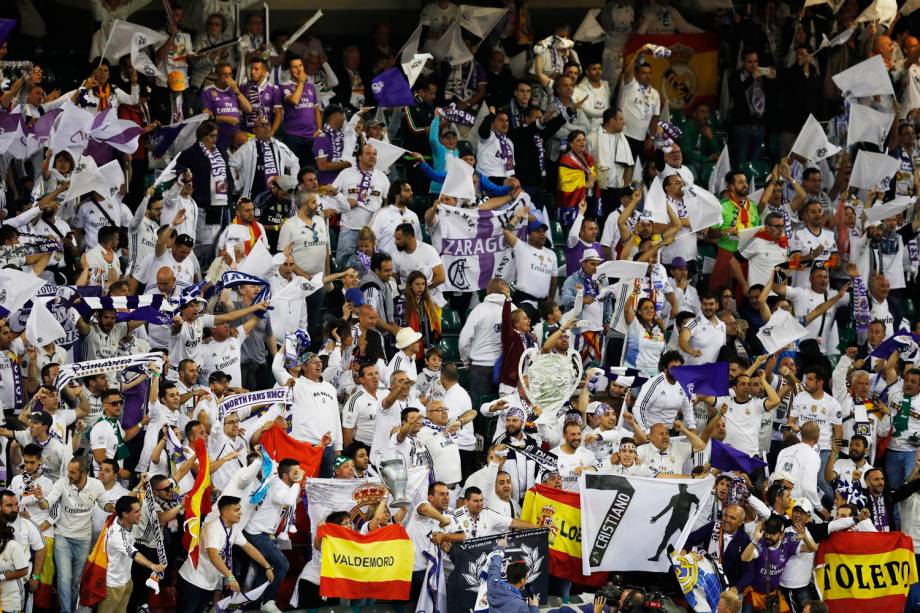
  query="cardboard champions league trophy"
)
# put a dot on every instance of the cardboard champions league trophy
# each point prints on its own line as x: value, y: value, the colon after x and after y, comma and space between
x: 549, y: 379
x: 396, y: 478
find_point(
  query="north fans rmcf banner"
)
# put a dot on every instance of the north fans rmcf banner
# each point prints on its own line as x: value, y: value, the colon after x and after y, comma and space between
x: 865, y: 572
x: 373, y: 565
x: 560, y: 511
x: 690, y: 75
x: 629, y: 522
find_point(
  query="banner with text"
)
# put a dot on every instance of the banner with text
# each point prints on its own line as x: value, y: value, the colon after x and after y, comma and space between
x: 471, y: 565
x: 629, y: 523
x: 865, y: 572
x: 473, y: 248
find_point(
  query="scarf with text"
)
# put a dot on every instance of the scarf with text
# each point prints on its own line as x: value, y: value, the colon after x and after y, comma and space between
x: 337, y: 139
x: 154, y: 581
x: 364, y: 186
x: 218, y: 175
x: 504, y: 150
x: 69, y: 372
x: 269, y: 163
x: 861, y: 311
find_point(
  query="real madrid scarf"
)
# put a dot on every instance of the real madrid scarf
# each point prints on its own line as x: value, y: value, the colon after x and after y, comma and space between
x: 218, y: 175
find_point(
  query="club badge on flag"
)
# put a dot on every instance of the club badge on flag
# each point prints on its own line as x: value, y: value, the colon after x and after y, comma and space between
x: 868, y: 78
x: 560, y: 512
x: 699, y: 579
x: 391, y: 89
x: 703, y: 379
x: 373, y: 565
x: 473, y: 247
x: 865, y: 572
x: 689, y: 75
x: 471, y: 565
x: 451, y: 48
x: 631, y: 523
x: 866, y: 125
x: 782, y: 330
x: 812, y: 143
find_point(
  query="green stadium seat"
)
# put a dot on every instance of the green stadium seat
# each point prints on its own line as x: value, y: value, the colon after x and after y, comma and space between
x: 450, y: 320
x: 556, y: 231
x: 450, y: 347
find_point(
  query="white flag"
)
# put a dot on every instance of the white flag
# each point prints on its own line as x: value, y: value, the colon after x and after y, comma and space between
x: 451, y: 48
x: 17, y: 287
x: 42, y: 327
x: 410, y: 49
x: 478, y: 20
x: 868, y: 78
x: 717, y: 178
x: 590, y: 31
x: 837, y: 40
x: 656, y: 202
x: 882, y: 11
x: 85, y: 178
x: 259, y: 261
x: 387, y: 154
x: 234, y: 601
x: 812, y: 143
x: 911, y: 98
x: 140, y: 59
x: 622, y: 269
x: 613, y: 507
x: 873, y: 170
x: 413, y: 68
x: 704, y: 209
x: 782, y: 329
x: 121, y: 39
x: 459, y: 180
x: 70, y: 131
x: 112, y: 179
x: 867, y: 125
x: 878, y: 212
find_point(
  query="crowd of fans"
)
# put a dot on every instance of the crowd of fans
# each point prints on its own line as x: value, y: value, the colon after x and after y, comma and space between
x: 383, y: 360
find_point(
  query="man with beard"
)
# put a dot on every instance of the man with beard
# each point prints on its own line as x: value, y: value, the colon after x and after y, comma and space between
x: 863, y: 413
x: 571, y: 458
x: 143, y: 232
x: 361, y: 458
x: 768, y: 553
x: 394, y: 213
x: 881, y: 499
x: 603, y: 438
x: 738, y: 213
x: 811, y: 242
x: 49, y: 224
x: 522, y: 468
x: 412, y: 254
x: 27, y: 537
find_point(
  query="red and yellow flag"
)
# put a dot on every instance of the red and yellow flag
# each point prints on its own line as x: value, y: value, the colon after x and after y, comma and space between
x: 690, y: 75
x: 866, y: 572
x: 374, y: 565
x: 560, y: 511
x: 197, y: 503
x: 95, y: 571
x: 280, y: 445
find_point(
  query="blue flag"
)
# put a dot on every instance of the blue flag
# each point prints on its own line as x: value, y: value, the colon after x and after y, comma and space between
x: 725, y: 457
x: 703, y: 379
x: 699, y: 579
x: 6, y: 29
x: 391, y: 89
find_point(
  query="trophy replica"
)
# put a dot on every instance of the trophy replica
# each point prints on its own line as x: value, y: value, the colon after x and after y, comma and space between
x: 549, y: 379
x: 396, y: 477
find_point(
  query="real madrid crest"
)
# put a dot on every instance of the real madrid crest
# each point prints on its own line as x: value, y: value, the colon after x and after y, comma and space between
x: 679, y: 79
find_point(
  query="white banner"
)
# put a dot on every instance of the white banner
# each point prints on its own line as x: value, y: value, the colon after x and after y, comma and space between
x: 628, y: 523
x: 473, y: 247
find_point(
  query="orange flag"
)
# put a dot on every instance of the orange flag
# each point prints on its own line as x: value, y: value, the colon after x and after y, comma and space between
x: 280, y: 445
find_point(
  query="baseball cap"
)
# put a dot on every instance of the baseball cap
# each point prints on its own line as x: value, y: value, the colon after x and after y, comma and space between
x: 176, y: 81
x: 373, y: 123
x: 355, y: 296
x: 218, y: 375
x: 536, y: 225
x: 804, y: 505
x: 342, y: 459
x: 678, y: 262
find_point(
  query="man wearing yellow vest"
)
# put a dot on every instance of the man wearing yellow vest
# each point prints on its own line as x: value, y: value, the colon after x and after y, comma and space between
x: 738, y: 213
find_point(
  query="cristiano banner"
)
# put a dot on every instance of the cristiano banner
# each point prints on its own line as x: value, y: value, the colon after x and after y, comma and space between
x: 865, y: 572
x: 690, y: 75
x: 560, y: 511
x: 631, y: 523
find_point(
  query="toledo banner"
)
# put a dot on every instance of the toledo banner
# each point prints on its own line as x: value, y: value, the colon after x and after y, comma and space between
x: 560, y: 511
x: 373, y: 565
x: 689, y: 75
x: 865, y: 572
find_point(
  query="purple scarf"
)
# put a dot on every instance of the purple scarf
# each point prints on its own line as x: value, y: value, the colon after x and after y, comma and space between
x: 337, y: 138
x: 861, y: 316
x: 364, y: 186
x: 588, y: 283
x: 504, y: 144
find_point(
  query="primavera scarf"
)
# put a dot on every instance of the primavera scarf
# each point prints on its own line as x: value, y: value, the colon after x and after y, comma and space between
x: 218, y: 175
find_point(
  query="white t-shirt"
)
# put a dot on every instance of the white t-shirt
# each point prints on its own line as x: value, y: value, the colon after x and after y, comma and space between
x: 802, y: 240
x: 761, y: 255
x: 424, y: 259
x: 360, y: 414
x: 108, y: 496
x: 384, y: 225
x: 644, y: 347
x: 214, y: 536
x: 89, y: 218
x: 742, y: 423
x: 103, y: 436
x: 224, y: 355
x: 534, y: 268
x: 12, y: 593
x: 639, y: 105
x: 186, y: 344
x: 119, y: 545
x: 826, y: 412
x: 310, y: 243
x: 567, y: 463
x: 445, y: 454
x: 670, y: 461
x: 707, y: 337
x: 458, y: 402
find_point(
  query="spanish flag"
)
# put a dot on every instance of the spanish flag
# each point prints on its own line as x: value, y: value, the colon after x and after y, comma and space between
x: 95, y: 571
x: 197, y: 503
x: 374, y: 565
x: 866, y: 572
x: 280, y: 445
x: 560, y: 511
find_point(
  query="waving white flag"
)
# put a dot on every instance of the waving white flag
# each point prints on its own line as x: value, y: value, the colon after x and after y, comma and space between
x: 868, y: 78
x: 451, y: 48
x: 387, y: 154
x: 413, y: 68
x: 812, y: 143
x: 782, y: 329
x: 873, y: 170
x: 42, y: 327
x: 717, y: 178
x: 85, y: 178
x: 479, y: 20
x: 867, y: 125
x: 590, y: 31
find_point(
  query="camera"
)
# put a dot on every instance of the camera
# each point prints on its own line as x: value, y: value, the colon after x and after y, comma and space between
x: 637, y: 600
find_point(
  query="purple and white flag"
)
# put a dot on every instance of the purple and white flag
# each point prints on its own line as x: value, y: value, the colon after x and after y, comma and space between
x: 70, y: 131
x: 140, y: 59
x: 120, y: 134
x: 391, y: 89
x: 176, y: 137
x: 473, y: 247
x: 41, y: 129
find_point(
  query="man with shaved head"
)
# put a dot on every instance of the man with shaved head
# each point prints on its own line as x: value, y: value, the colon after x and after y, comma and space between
x: 166, y: 286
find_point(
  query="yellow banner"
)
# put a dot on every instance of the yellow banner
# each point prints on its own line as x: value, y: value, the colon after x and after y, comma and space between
x: 867, y: 576
x: 380, y: 561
